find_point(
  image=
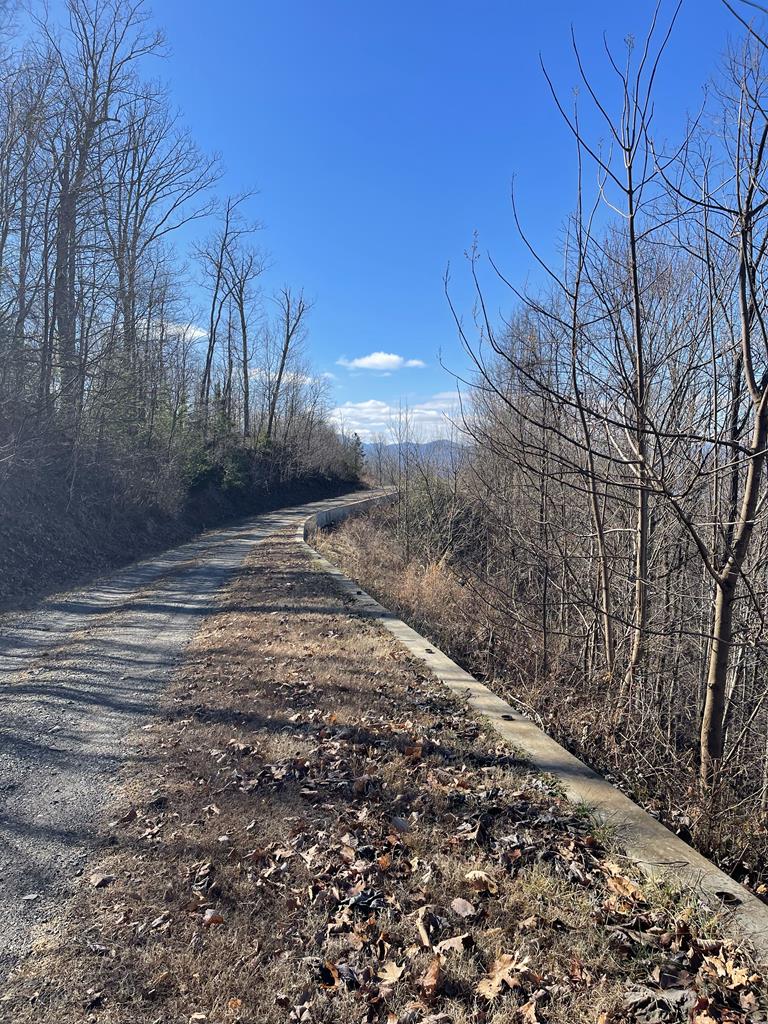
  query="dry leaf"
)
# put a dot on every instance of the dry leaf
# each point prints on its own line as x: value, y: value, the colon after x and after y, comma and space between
x: 432, y: 980
x: 625, y: 887
x: 463, y: 907
x: 505, y: 972
x: 481, y: 881
x: 329, y: 975
x: 457, y: 944
x: 527, y: 1012
x: 390, y: 973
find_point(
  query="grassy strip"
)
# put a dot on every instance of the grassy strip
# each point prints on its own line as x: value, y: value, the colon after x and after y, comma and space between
x: 317, y: 832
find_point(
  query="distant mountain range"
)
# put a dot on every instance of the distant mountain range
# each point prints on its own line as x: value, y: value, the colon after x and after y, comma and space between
x: 440, y: 453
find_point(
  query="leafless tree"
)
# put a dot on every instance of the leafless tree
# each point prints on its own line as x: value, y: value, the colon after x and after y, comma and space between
x: 292, y: 309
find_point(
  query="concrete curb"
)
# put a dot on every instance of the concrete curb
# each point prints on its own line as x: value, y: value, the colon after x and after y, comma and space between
x: 657, y: 851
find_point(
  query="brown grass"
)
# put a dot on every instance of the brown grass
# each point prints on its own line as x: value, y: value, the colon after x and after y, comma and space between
x: 572, y: 707
x: 292, y: 842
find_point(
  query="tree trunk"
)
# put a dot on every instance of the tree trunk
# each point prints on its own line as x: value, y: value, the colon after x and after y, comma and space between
x: 713, y: 718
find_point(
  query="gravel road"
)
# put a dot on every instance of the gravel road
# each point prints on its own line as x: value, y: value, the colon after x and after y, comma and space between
x: 78, y: 676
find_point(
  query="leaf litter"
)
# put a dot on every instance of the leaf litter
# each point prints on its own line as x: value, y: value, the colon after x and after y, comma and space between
x: 318, y: 832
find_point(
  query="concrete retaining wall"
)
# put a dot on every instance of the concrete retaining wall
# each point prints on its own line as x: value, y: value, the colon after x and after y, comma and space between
x: 338, y: 513
x: 656, y: 850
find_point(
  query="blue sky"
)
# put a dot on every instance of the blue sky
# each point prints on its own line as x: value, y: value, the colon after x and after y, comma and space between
x: 381, y: 136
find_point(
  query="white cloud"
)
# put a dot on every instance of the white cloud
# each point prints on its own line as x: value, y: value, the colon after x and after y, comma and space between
x: 381, y: 362
x: 262, y: 375
x: 189, y: 331
x: 428, y: 420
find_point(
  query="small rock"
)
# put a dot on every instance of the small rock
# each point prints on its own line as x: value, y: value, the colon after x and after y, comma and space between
x: 100, y: 881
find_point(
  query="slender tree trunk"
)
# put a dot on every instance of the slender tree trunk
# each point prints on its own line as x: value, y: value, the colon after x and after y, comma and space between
x: 640, y: 601
x: 64, y: 300
x: 246, y: 370
x: 713, y: 718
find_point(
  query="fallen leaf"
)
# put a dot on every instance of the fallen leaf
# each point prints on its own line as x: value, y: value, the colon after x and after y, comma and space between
x: 671, y: 975
x: 390, y: 972
x: 457, y: 944
x: 463, y: 907
x: 432, y: 980
x: 329, y: 975
x: 625, y: 887
x: 481, y: 881
x: 505, y: 972
x: 528, y: 1011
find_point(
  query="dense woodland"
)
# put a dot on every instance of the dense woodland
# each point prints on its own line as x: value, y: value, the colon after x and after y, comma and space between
x: 126, y: 404
x: 600, y: 538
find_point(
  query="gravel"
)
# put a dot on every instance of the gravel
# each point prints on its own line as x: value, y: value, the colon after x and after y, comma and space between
x: 78, y: 676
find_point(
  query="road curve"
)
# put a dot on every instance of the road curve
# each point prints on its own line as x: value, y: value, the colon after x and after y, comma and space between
x: 78, y: 676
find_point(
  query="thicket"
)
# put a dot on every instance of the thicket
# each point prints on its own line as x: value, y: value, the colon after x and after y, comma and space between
x: 604, y: 545
x: 127, y: 416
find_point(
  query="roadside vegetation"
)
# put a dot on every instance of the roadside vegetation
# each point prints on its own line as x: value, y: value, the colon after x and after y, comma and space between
x: 316, y: 831
x: 143, y: 394
x: 596, y: 541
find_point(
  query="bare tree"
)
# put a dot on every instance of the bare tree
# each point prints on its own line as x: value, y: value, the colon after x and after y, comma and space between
x: 292, y: 310
x: 243, y: 267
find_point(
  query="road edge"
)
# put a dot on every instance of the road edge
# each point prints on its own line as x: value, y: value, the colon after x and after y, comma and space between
x: 659, y: 853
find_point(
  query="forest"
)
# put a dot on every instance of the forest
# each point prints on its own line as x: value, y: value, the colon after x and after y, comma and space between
x: 595, y: 538
x: 145, y: 389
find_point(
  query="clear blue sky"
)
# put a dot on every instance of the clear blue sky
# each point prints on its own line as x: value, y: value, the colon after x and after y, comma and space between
x: 382, y: 135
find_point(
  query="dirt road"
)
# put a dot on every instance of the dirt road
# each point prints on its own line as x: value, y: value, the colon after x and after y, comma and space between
x: 78, y: 677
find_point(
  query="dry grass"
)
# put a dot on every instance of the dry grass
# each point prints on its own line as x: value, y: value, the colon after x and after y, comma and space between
x: 572, y: 707
x: 293, y: 844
